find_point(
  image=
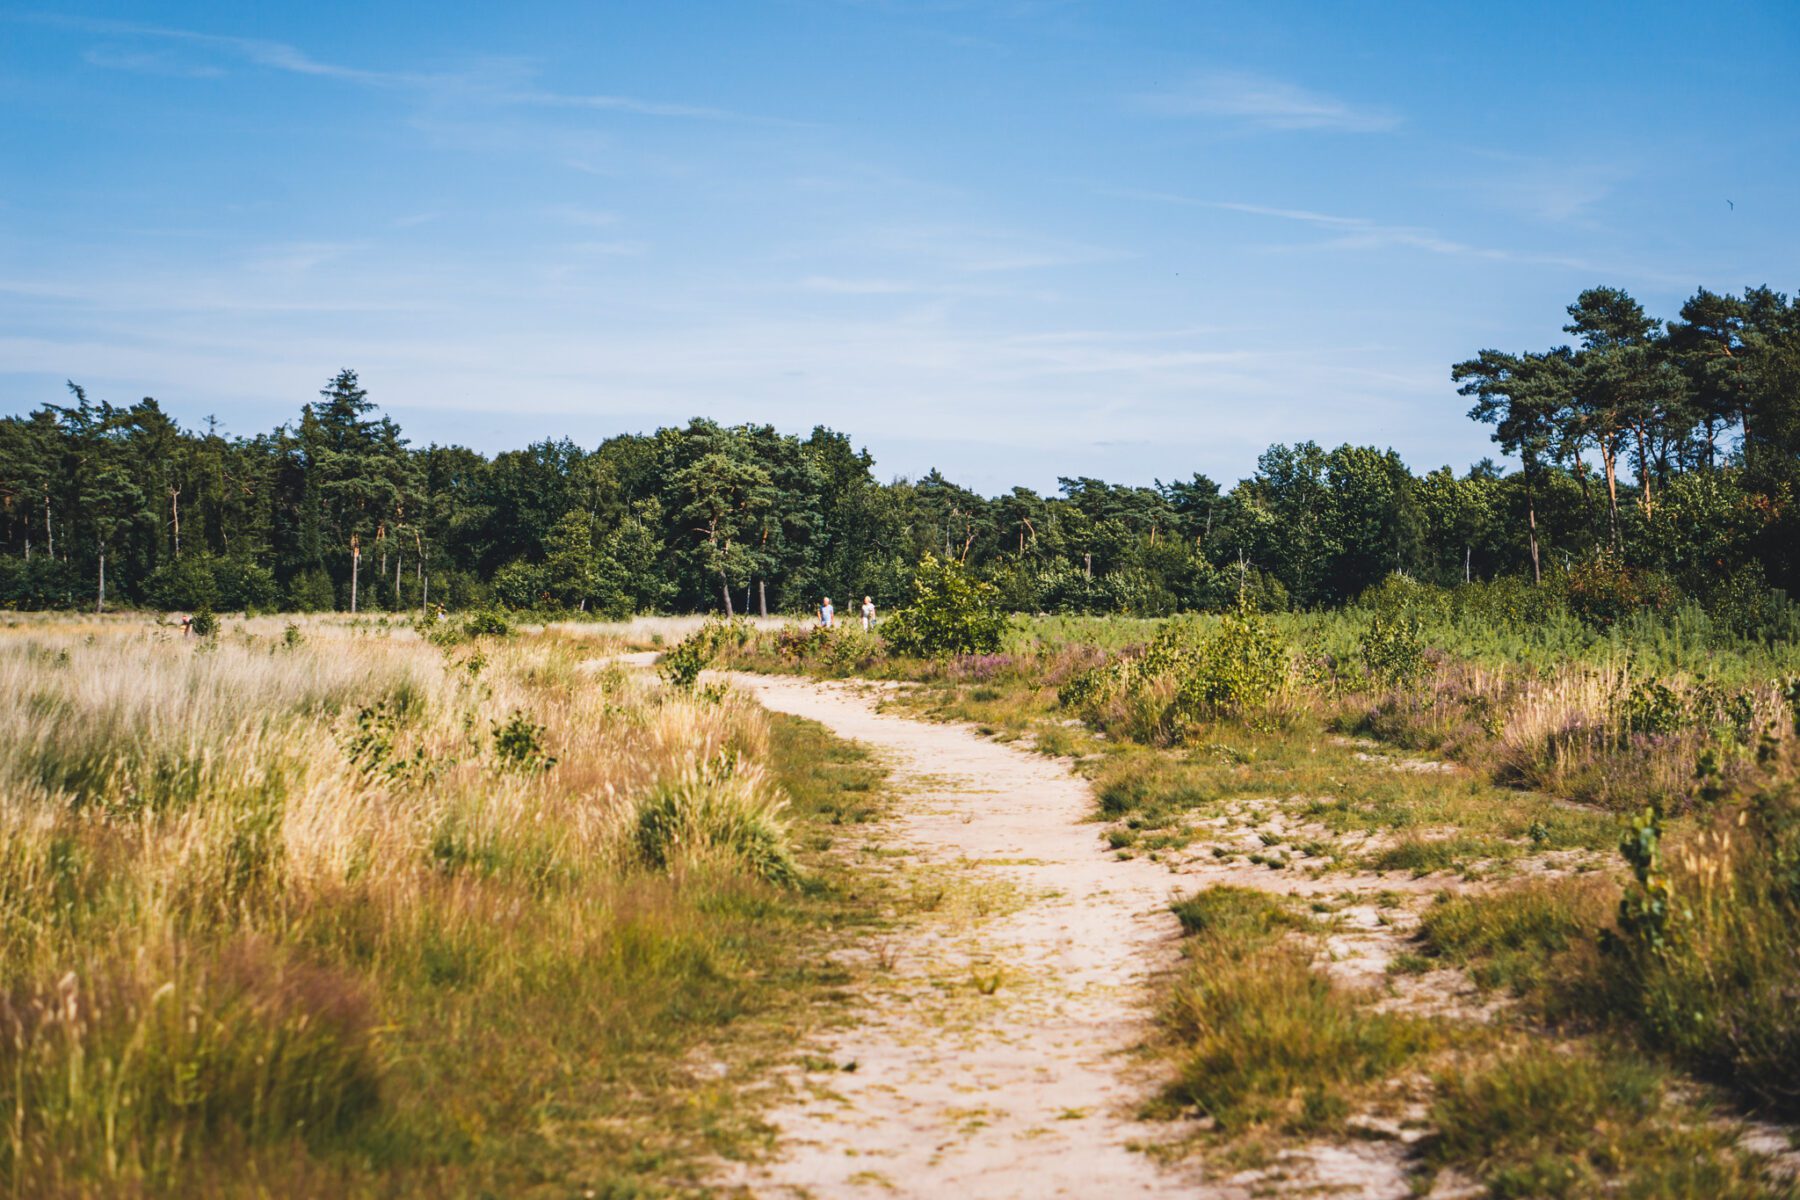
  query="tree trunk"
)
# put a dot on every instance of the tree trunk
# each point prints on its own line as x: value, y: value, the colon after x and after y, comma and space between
x: 175, y: 515
x: 49, y: 533
x: 1537, y: 575
x: 1468, y: 551
x: 100, y: 596
x: 1609, y: 455
x: 725, y: 591
x: 396, y: 583
x: 355, y: 562
x: 762, y: 597
x: 424, y: 594
x: 1644, y: 465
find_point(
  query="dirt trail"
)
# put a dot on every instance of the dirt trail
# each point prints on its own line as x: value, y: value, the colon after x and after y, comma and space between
x: 995, y: 1058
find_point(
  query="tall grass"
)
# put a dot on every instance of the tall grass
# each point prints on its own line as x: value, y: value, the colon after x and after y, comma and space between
x: 340, y: 907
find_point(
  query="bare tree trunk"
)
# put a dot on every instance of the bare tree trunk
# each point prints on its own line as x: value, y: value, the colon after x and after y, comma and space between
x: 1644, y: 465
x: 725, y: 591
x: 49, y: 533
x: 424, y: 594
x: 175, y: 514
x: 1609, y: 456
x: 1467, y: 552
x: 1537, y: 575
x: 762, y: 597
x: 397, y: 559
x: 355, y: 562
x: 100, y: 596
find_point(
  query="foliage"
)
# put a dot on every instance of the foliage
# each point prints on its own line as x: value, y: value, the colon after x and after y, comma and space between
x: 203, y: 623
x: 1657, y: 465
x: 681, y: 665
x: 1393, y: 648
x: 951, y: 613
x: 486, y: 623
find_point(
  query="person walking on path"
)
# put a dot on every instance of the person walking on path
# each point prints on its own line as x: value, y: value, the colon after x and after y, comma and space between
x: 868, y: 614
x: 826, y: 613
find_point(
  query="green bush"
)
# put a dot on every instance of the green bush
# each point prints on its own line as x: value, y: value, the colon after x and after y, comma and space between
x: 519, y: 745
x: 203, y: 622
x: 1393, y: 646
x: 1237, y: 672
x: 182, y: 583
x: 486, y: 623
x: 952, y: 613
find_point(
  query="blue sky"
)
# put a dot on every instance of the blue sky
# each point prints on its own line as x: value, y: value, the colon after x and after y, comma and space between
x: 1012, y: 240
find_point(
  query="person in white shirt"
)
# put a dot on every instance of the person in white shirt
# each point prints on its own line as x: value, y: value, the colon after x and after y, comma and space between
x: 868, y: 614
x: 826, y: 613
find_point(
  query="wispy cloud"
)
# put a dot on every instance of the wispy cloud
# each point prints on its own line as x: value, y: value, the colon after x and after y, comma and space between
x: 1362, y: 233
x: 1265, y: 103
x: 502, y: 84
x: 115, y: 58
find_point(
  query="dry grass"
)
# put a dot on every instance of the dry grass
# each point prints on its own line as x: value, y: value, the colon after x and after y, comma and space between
x: 340, y: 910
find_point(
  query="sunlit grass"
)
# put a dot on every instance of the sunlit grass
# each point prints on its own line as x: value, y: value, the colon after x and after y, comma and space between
x: 322, y: 907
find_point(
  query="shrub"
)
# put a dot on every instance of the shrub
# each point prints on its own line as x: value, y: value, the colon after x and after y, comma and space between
x: 952, y: 613
x: 182, y: 583
x: 1238, y: 670
x: 204, y: 623
x: 487, y: 623
x: 519, y: 744
x: 1393, y: 646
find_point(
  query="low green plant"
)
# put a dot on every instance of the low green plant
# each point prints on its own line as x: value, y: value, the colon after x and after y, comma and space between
x: 204, y: 623
x: 519, y: 744
x: 1551, y: 1121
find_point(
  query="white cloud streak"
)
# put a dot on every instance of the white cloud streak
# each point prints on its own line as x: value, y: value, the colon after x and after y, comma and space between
x: 1264, y: 103
x: 482, y: 85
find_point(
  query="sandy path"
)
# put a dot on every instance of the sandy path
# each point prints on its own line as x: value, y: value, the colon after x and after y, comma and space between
x: 994, y: 1058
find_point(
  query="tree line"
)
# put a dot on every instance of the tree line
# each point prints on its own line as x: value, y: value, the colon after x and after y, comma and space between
x: 1657, y: 458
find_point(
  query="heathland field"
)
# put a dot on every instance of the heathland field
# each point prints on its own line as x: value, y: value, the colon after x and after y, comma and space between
x: 1422, y: 896
x: 329, y: 908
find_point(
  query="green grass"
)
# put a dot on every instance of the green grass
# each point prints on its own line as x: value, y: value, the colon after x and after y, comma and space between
x: 1264, y: 1042
x: 1509, y: 939
x: 1561, y: 1121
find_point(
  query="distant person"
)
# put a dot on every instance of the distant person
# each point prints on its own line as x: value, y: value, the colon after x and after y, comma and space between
x: 186, y: 622
x: 827, y: 614
x: 868, y: 614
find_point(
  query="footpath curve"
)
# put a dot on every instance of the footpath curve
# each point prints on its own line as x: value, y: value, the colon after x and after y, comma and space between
x: 994, y: 1057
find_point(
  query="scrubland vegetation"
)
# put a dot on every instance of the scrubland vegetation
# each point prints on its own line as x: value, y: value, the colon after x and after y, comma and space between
x: 1613, y: 859
x: 311, y: 908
